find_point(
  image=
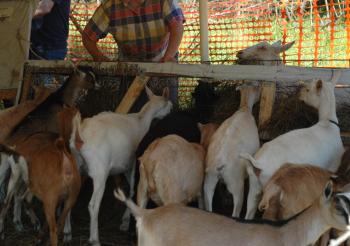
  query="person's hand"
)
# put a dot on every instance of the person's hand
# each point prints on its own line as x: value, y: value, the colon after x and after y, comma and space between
x: 168, y: 59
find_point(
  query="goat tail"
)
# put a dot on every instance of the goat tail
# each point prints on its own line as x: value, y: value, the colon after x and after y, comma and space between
x: 67, y: 168
x: 271, y: 192
x: 250, y: 158
x: 76, y: 138
x: 135, y: 210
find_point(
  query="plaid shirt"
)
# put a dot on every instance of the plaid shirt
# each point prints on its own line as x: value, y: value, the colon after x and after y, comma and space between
x: 141, y: 34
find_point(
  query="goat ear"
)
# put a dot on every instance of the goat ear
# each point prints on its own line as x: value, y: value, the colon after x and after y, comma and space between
x: 319, y: 85
x: 200, y: 126
x: 328, y: 190
x: 166, y: 93
x: 278, y: 43
x: 286, y: 47
x: 149, y: 92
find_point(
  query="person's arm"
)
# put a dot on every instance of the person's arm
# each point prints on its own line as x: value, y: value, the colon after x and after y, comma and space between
x: 176, y: 30
x: 174, y: 20
x: 96, y: 29
x: 91, y: 47
x: 44, y: 7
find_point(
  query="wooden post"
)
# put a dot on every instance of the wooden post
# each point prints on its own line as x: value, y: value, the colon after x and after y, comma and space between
x: 132, y: 94
x: 267, y: 100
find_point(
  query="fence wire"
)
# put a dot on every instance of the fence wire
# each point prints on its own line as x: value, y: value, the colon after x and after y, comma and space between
x: 321, y: 30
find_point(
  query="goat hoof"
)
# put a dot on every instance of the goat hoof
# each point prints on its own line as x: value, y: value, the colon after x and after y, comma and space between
x: 67, y: 237
x: 19, y: 226
x: 94, y: 243
x: 124, y: 226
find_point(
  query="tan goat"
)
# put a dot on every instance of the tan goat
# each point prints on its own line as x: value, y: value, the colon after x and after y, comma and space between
x: 174, y: 225
x: 291, y: 189
x: 171, y: 171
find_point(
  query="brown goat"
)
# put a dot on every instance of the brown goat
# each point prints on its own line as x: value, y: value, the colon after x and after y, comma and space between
x: 53, y: 173
x: 11, y: 117
x: 44, y: 117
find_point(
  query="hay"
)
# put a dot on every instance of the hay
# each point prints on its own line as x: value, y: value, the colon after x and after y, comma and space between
x: 289, y: 113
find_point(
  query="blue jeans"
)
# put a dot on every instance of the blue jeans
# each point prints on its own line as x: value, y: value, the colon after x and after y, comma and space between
x: 39, y: 52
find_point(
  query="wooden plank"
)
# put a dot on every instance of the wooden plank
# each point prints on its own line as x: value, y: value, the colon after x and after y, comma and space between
x: 284, y: 74
x: 7, y: 94
x: 267, y: 100
x: 132, y: 94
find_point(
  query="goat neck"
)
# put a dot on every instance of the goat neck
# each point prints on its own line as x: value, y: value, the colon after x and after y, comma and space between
x: 71, y: 94
x: 306, y: 228
x: 247, y: 100
x: 327, y: 109
x: 146, y: 116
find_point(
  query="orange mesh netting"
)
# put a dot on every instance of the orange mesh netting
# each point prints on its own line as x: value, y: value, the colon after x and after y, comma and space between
x: 321, y: 30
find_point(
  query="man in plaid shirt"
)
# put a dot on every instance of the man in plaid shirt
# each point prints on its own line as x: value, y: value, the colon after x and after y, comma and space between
x: 145, y: 31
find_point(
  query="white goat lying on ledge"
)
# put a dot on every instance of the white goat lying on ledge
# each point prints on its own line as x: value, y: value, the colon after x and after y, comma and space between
x: 174, y: 225
x: 107, y: 142
x: 319, y: 145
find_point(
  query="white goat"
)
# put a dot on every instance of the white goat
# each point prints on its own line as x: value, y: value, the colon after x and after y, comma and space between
x: 14, y: 165
x: 263, y: 53
x: 171, y: 171
x: 107, y: 143
x: 319, y: 145
x: 235, y: 135
x: 175, y: 224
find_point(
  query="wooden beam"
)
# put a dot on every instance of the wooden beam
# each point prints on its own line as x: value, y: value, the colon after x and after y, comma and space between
x: 8, y: 94
x: 267, y: 100
x: 283, y: 74
x: 132, y: 94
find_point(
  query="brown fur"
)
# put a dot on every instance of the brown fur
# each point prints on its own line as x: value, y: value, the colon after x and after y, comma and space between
x: 292, y: 189
x: 53, y: 175
x: 207, y: 131
x: 11, y: 117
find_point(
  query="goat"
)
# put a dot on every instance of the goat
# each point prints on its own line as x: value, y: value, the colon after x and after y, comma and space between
x: 181, y: 123
x: 291, y: 189
x: 12, y: 164
x: 52, y: 172
x: 263, y: 53
x: 319, y: 145
x: 176, y: 224
x: 236, y: 134
x: 107, y: 144
x: 11, y: 117
x: 207, y: 131
x: 171, y: 171
x: 53, y: 175
x: 49, y: 169
x: 44, y: 116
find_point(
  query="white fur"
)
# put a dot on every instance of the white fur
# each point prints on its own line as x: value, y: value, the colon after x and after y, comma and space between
x: 318, y: 145
x: 237, y: 134
x: 110, y: 141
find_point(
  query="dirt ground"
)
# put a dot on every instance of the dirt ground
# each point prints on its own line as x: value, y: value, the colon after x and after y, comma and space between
x: 110, y: 215
x: 111, y: 211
